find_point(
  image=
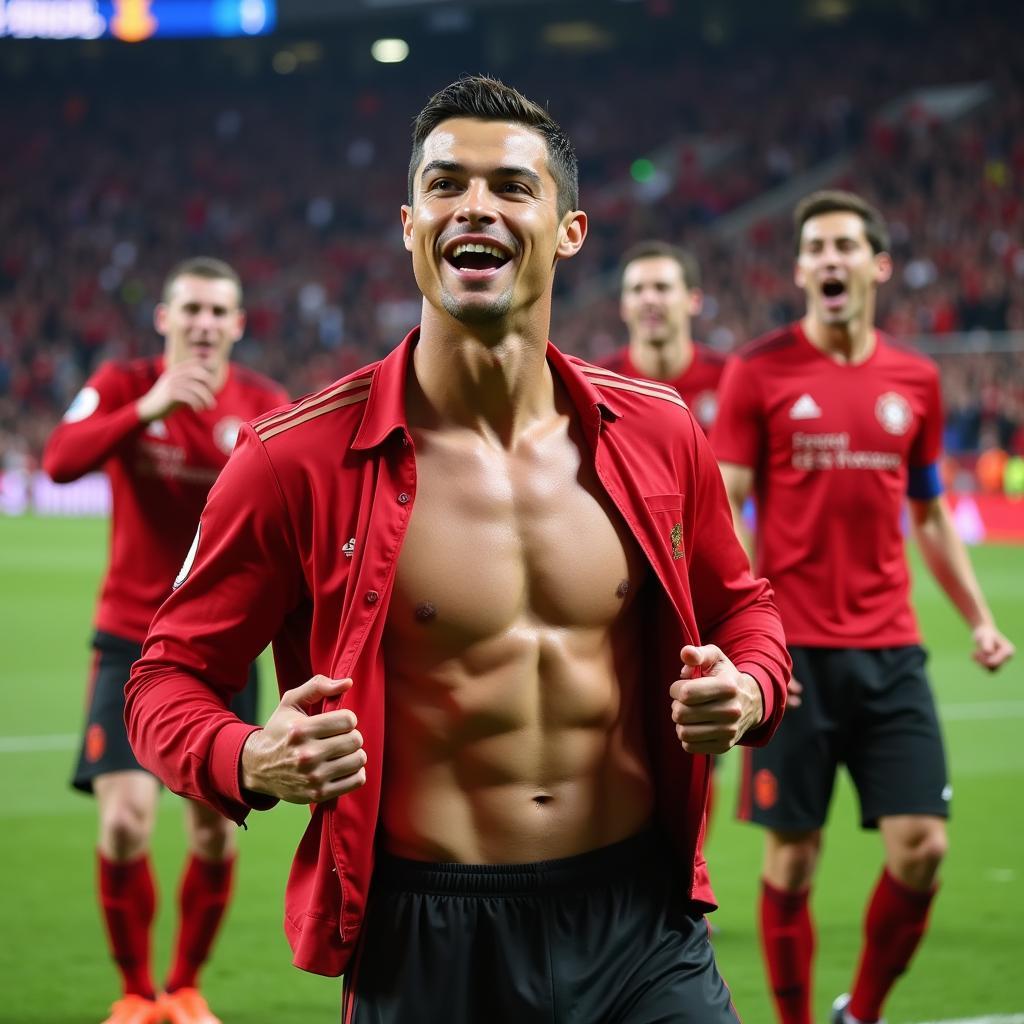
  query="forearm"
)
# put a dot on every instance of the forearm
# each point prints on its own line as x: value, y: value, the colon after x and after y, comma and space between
x: 182, y: 731
x: 75, y: 449
x: 946, y: 557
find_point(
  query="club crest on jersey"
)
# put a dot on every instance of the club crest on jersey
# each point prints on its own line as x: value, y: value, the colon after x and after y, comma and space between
x: 894, y: 413
x: 676, y: 537
x: 705, y: 408
x: 157, y: 429
x: 226, y: 433
x: 190, y: 558
x: 83, y: 405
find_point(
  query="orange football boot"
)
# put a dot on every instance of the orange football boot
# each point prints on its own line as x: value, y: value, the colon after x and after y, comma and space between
x: 186, y: 1006
x: 135, y: 1010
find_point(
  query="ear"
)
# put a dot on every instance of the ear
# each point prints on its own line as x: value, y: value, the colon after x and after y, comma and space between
x: 239, y: 326
x: 695, y: 301
x: 883, y: 267
x: 799, y: 277
x: 160, y: 317
x: 407, y: 227
x: 571, y: 234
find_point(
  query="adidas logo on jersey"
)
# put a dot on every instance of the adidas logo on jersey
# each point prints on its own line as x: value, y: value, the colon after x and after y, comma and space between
x: 805, y: 408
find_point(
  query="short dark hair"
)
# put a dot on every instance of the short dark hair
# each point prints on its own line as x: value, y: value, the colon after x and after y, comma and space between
x: 489, y: 99
x: 202, y: 266
x: 835, y: 200
x: 655, y: 249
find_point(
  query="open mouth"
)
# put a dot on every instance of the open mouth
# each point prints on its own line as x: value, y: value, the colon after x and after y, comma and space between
x: 834, y: 292
x: 479, y: 258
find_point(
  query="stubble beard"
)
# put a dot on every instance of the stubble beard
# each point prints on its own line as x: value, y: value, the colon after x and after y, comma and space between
x: 477, y: 314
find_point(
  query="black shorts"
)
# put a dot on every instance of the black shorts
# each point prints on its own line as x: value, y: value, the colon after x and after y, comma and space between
x: 601, y: 938
x: 105, y: 746
x: 871, y: 710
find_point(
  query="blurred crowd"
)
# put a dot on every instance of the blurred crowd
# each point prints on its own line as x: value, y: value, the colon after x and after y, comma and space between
x: 298, y: 182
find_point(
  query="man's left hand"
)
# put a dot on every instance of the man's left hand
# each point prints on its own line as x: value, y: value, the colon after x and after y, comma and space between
x: 991, y: 648
x: 713, y: 703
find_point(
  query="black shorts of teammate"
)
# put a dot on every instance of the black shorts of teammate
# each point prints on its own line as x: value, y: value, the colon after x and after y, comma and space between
x: 605, y: 937
x: 871, y: 710
x: 105, y: 746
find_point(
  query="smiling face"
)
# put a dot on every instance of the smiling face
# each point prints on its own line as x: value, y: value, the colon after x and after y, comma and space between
x: 838, y: 270
x: 483, y: 229
x: 200, y: 319
x: 655, y: 304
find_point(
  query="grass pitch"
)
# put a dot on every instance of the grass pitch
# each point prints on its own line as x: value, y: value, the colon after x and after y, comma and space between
x: 54, y: 968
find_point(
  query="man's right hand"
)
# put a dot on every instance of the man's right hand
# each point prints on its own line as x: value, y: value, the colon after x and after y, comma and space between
x: 794, y: 693
x: 305, y: 758
x: 189, y: 383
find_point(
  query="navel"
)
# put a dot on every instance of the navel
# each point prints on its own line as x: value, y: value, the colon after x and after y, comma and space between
x: 542, y: 799
x: 425, y: 612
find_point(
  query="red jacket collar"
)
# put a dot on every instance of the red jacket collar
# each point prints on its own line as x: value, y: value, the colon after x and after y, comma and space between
x: 385, y: 407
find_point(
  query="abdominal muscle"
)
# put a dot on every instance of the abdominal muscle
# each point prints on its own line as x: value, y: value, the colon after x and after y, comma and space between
x: 523, y: 749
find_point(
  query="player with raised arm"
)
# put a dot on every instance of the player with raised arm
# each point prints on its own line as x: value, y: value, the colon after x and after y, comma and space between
x: 832, y: 427
x: 162, y: 429
x: 510, y: 617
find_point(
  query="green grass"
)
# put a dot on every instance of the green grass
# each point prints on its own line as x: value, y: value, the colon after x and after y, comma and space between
x: 54, y: 967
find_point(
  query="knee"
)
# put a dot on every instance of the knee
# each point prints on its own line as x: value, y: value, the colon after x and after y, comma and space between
x: 125, y: 829
x: 212, y: 838
x: 790, y: 865
x: 917, y: 860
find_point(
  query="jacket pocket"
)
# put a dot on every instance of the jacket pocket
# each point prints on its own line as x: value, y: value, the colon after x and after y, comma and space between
x: 664, y: 503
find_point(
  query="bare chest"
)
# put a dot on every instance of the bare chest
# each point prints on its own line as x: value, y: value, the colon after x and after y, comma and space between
x: 504, y: 540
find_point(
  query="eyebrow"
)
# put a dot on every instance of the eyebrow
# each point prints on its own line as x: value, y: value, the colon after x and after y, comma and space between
x: 511, y: 171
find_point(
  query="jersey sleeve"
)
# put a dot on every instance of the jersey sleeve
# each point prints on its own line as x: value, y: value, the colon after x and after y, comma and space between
x: 734, y: 610
x: 101, y: 417
x: 240, y: 581
x: 736, y: 435
x: 927, y: 447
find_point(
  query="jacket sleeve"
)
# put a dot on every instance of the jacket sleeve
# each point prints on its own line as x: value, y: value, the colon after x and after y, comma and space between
x: 100, y: 418
x: 735, y: 610
x: 239, y: 582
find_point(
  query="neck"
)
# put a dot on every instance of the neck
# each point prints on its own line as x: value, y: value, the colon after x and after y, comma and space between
x: 662, y: 362
x: 852, y: 342
x: 493, y: 383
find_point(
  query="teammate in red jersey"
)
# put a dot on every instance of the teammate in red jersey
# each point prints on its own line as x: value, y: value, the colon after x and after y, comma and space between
x: 660, y: 295
x: 831, y: 426
x: 510, y: 617
x: 161, y: 429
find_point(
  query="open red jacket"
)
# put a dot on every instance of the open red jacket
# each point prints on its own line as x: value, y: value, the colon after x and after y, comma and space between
x: 298, y: 545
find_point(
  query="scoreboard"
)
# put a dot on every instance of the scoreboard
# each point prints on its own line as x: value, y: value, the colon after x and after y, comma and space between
x: 134, y: 21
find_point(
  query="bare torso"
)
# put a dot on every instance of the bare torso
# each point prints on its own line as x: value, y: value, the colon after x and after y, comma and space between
x: 513, y: 656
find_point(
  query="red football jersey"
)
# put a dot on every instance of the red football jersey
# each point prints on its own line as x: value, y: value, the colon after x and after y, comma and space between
x: 697, y: 384
x: 160, y: 475
x: 831, y: 446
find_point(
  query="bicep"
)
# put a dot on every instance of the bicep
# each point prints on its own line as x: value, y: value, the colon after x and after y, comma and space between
x: 739, y: 482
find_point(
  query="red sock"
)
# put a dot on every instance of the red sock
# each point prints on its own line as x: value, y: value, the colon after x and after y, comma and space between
x: 128, y: 903
x: 202, y: 900
x: 787, y: 941
x: 893, y: 928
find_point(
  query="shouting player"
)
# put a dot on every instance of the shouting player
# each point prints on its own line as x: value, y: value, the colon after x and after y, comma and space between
x: 831, y: 426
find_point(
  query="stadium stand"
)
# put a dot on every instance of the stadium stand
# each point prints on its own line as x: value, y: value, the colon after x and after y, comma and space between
x: 296, y: 181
